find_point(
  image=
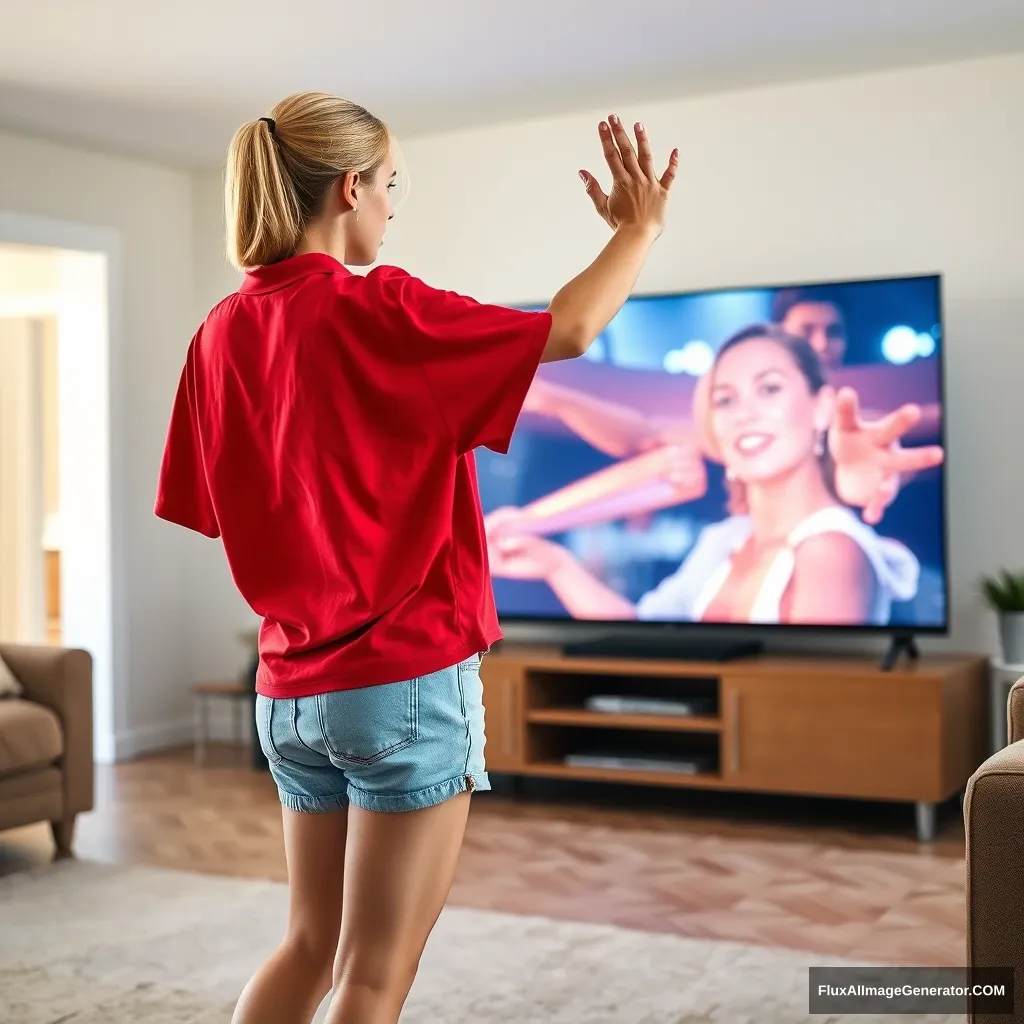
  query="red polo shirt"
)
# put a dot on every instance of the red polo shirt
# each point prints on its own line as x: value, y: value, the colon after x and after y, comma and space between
x: 323, y: 429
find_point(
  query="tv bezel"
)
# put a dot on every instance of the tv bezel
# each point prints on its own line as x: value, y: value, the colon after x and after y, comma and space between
x: 567, y: 624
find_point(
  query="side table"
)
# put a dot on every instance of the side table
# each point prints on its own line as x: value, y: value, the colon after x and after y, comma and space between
x: 240, y: 693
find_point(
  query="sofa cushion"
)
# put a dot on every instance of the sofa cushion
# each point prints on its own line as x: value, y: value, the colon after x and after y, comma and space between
x: 30, y: 735
x: 10, y: 686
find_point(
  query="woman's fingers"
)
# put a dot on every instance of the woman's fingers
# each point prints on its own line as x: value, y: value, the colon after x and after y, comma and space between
x: 626, y: 152
x: 892, y: 427
x: 611, y: 152
x: 873, y: 511
x: 596, y: 193
x: 670, y: 172
x: 912, y: 460
x: 645, y: 157
x: 847, y: 416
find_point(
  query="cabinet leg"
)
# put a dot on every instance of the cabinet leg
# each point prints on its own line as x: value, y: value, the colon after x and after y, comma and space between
x: 925, y: 813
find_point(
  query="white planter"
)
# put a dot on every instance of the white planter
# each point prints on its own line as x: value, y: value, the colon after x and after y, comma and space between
x: 1011, y: 637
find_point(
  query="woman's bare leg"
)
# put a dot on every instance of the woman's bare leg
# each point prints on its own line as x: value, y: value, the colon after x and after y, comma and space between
x: 398, y: 874
x: 291, y: 984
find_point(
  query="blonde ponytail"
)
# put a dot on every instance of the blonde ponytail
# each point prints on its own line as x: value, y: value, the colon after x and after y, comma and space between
x: 279, y: 170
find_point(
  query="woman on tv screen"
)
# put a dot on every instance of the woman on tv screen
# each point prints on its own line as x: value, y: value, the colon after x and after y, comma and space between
x: 789, y: 551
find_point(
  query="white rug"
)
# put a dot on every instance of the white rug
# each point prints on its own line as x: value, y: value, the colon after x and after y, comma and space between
x: 85, y: 943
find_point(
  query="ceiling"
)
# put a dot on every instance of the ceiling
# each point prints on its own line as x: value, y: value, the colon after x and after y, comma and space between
x: 169, y: 82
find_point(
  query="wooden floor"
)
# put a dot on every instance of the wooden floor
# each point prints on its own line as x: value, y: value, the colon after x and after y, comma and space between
x: 839, y: 878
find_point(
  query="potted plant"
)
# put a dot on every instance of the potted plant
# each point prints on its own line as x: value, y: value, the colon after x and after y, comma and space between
x: 1004, y: 593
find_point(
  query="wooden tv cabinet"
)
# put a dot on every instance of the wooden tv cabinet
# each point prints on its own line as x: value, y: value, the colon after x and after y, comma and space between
x: 816, y: 726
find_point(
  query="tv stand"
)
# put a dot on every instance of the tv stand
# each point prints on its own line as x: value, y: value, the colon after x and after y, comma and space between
x: 812, y: 726
x: 671, y: 647
x: 901, y: 642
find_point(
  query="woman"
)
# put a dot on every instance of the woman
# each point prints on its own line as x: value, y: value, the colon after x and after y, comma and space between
x: 790, y: 551
x: 323, y: 429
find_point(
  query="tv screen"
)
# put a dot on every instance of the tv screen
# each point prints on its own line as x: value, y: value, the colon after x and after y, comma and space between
x: 769, y: 456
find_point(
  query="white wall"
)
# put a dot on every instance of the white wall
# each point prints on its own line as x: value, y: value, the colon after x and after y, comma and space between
x: 150, y: 209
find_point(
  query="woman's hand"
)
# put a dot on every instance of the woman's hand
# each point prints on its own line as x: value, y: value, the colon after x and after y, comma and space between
x: 526, y: 558
x: 507, y: 521
x: 869, y: 457
x: 514, y: 553
x: 682, y: 466
x: 638, y: 197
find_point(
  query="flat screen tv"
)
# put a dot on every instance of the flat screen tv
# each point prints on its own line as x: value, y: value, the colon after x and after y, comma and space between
x: 769, y: 457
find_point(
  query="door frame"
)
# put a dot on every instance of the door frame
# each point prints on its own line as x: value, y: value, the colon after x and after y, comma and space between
x: 94, y: 601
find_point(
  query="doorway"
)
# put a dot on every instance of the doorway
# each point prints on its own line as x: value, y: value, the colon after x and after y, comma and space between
x: 58, y: 543
x: 29, y: 470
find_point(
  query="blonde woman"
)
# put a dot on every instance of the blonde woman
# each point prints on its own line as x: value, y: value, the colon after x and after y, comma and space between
x: 323, y: 430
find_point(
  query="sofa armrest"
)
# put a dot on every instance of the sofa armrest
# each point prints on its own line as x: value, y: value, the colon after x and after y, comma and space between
x: 60, y: 678
x: 994, y: 829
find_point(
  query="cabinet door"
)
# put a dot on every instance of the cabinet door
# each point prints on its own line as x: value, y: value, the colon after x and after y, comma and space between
x: 503, y: 715
x: 861, y: 736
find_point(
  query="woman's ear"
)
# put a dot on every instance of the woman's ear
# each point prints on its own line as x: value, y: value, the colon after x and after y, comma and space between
x: 347, y: 191
x: 825, y: 408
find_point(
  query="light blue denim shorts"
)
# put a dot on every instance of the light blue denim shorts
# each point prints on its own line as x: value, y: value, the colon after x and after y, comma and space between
x: 390, y: 747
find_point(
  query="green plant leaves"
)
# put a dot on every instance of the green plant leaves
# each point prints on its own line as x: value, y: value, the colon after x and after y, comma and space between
x: 1004, y: 591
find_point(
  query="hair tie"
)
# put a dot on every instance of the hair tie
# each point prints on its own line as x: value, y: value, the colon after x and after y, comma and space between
x: 271, y: 123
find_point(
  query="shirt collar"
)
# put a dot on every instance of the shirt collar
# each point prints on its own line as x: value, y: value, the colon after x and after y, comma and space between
x: 279, y: 275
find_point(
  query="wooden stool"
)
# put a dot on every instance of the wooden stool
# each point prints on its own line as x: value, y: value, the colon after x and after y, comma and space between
x: 202, y: 692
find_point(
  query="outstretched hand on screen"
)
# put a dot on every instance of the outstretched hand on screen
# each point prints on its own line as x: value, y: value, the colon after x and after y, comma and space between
x: 869, y: 457
x: 638, y: 195
x: 517, y: 555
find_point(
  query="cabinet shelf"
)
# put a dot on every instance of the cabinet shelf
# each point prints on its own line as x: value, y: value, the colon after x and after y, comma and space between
x: 558, y: 770
x: 601, y: 720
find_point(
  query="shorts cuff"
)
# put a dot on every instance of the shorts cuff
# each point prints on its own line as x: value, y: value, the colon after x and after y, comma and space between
x: 421, y: 798
x: 314, y: 804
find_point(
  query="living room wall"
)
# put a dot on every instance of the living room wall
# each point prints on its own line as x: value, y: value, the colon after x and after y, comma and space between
x: 151, y: 210
x: 911, y: 171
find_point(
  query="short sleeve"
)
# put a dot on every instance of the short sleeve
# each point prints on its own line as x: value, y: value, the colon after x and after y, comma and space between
x: 183, y: 496
x: 478, y: 360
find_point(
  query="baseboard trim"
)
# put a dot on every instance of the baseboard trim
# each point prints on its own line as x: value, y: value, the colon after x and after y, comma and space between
x: 145, y: 739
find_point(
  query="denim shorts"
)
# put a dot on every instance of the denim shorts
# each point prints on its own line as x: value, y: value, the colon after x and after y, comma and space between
x: 390, y: 747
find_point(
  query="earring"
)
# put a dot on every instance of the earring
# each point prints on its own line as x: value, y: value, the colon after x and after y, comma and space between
x: 730, y: 475
x: 819, y: 444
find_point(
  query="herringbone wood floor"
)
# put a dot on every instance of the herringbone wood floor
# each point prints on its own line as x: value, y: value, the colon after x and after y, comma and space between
x: 840, y: 879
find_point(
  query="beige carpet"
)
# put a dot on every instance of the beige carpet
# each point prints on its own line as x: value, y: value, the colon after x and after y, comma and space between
x: 84, y: 943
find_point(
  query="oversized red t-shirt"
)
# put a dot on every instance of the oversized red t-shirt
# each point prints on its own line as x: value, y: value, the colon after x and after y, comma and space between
x: 323, y: 429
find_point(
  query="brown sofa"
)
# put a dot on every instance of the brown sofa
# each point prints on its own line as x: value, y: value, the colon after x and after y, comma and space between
x: 994, y: 825
x: 46, y: 745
